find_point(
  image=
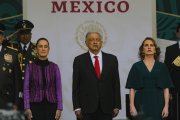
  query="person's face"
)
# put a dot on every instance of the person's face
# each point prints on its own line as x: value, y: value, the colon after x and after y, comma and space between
x: 1, y: 38
x: 178, y: 34
x: 42, y: 49
x: 93, y: 42
x: 149, y: 47
x: 25, y: 37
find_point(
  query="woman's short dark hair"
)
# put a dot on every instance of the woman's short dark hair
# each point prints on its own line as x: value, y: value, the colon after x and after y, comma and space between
x: 40, y: 40
x: 157, y: 49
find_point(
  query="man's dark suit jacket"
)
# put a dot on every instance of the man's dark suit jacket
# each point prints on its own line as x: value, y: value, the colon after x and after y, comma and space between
x: 89, y: 92
x: 172, y: 52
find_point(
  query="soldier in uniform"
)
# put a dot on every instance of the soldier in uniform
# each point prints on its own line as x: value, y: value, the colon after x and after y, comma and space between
x: 25, y: 48
x: 9, y: 73
x: 172, y: 60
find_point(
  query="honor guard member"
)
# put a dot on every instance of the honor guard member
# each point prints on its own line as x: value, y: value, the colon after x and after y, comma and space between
x: 10, y: 76
x: 25, y: 48
x: 172, y: 60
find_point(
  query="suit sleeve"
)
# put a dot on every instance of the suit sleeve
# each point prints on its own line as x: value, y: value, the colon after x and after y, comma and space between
x: 75, y: 85
x: 171, y: 68
x: 117, y: 97
x: 167, y: 59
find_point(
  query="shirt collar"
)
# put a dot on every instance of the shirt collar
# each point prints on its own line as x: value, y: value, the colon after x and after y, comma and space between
x: 27, y: 45
x: 99, y: 54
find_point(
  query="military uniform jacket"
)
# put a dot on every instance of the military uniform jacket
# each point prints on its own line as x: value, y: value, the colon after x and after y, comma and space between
x: 25, y: 58
x: 9, y: 75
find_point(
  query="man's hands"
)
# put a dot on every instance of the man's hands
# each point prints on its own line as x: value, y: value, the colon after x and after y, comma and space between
x: 78, y: 114
x: 115, y: 112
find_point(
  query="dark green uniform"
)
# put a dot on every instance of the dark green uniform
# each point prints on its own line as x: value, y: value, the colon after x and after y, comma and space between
x: 149, y: 85
x: 25, y: 57
x: 26, y: 50
x: 9, y: 76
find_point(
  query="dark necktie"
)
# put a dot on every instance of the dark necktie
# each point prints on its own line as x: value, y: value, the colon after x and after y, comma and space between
x: 24, y: 48
x: 97, y: 67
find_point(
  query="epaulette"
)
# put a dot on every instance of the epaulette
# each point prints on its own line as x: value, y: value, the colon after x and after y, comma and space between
x: 11, y: 44
x: 12, y: 48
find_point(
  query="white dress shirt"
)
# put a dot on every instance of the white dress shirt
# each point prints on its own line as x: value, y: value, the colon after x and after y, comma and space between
x: 99, y: 58
x: 27, y: 45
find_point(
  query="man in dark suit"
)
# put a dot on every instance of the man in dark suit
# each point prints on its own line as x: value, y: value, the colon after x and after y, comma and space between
x: 96, y: 84
x: 9, y: 73
x: 172, y: 60
x: 26, y: 49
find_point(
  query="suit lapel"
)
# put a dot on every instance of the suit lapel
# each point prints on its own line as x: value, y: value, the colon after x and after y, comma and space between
x: 90, y: 64
x: 176, y: 48
x: 104, y: 64
x: 29, y: 48
x: 19, y: 47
